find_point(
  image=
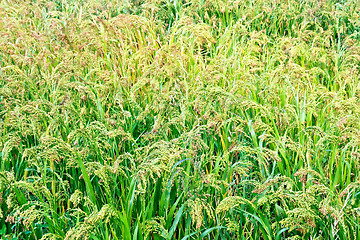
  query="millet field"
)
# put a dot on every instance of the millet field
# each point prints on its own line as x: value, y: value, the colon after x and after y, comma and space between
x: 179, y: 119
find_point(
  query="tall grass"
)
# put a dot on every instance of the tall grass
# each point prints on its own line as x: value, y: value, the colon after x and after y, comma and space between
x: 179, y: 119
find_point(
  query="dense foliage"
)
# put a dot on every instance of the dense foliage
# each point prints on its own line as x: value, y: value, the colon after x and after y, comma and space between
x: 179, y: 119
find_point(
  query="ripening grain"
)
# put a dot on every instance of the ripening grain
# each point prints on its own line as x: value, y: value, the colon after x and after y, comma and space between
x: 183, y: 119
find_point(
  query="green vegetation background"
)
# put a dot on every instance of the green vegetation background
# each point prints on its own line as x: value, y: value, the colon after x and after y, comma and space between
x: 179, y: 119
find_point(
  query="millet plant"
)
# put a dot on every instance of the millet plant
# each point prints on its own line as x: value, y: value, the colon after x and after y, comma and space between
x: 179, y: 119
